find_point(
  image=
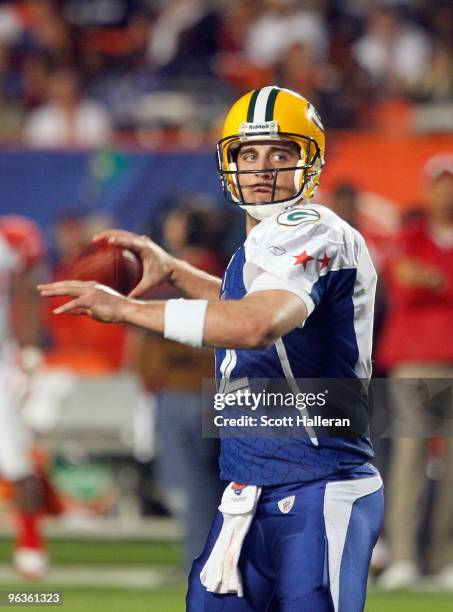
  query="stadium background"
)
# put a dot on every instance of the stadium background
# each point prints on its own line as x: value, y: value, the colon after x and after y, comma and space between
x: 158, y: 76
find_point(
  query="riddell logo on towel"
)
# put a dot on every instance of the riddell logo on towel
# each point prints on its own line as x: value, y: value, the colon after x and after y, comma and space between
x: 286, y: 504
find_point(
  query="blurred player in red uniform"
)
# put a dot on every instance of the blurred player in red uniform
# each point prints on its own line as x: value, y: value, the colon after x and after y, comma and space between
x: 417, y: 343
x: 21, y: 252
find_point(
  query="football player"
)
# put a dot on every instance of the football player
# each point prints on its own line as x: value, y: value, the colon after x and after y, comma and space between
x: 299, y: 519
x: 21, y: 251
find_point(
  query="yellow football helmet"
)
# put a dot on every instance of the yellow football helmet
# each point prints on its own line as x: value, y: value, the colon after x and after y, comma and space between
x: 266, y: 114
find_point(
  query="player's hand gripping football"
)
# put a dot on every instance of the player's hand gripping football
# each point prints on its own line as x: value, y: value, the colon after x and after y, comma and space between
x: 157, y: 263
x: 89, y: 298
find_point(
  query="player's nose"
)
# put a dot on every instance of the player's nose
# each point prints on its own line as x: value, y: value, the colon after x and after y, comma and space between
x: 262, y: 168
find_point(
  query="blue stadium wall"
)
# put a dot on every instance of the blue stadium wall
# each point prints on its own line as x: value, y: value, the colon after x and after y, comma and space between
x: 133, y: 187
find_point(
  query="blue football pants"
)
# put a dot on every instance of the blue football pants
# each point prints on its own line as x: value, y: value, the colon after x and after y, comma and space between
x: 315, y: 558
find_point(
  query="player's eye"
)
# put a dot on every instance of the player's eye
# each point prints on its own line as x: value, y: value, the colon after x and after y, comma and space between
x: 280, y: 156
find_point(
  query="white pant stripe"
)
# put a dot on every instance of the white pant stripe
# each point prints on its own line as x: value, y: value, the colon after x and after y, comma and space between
x: 338, y: 501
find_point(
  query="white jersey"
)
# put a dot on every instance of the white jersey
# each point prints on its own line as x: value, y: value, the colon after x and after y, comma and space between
x: 309, y: 251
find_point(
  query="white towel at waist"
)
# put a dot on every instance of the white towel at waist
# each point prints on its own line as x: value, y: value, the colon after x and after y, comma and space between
x: 220, y: 573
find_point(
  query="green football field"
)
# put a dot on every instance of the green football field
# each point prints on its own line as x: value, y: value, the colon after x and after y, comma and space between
x: 171, y: 599
x: 113, y: 562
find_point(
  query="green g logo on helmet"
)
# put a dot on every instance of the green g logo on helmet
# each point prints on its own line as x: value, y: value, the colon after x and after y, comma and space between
x: 297, y: 217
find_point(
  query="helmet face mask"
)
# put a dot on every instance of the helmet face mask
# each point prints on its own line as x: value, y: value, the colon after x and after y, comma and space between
x: 303, y: 171
x: 288, y: 109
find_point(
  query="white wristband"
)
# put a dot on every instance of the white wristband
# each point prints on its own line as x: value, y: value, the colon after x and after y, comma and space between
x: 184, y: 321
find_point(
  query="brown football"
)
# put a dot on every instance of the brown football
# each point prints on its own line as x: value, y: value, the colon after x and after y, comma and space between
x: 108, y: 264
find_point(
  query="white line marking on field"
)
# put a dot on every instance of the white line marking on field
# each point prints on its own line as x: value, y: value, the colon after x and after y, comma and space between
x: 98, y: 576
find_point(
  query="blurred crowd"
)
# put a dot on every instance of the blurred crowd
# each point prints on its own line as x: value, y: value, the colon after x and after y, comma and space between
x: 79, y: 72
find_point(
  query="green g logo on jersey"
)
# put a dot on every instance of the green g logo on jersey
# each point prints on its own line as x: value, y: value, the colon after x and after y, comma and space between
x: 299, y: 216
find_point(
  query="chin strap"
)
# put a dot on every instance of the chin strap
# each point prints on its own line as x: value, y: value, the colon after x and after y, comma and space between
x: 262, y: 211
